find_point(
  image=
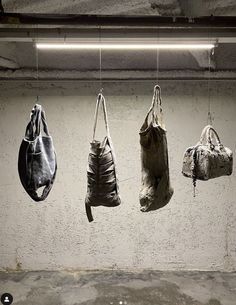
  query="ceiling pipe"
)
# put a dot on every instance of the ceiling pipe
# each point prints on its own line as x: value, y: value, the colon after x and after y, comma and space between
x: 145, y: 21
x: 136, y: 29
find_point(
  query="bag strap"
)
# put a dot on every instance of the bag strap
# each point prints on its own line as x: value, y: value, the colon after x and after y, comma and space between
x: 100, y: 99
x: 211, y: 131
x: 37, y: 117
x: 33, y: 194
x: 203, y: 134
x: 207, y: 136
x: 156, y: 101
x: 89, y: 212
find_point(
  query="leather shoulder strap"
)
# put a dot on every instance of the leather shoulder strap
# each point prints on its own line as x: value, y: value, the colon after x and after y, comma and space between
x: 100, y: 100
x: 156, y: 103
x: 37, y: 117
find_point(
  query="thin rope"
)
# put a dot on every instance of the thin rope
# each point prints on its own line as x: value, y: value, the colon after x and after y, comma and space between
x: 37, y: 68
x: 100, y: 61
x: 155, y: 100
x: 157, y: 56
x: 208, y: 91
x: 209, y: 115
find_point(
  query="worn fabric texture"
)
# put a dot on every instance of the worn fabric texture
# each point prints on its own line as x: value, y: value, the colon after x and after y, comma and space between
x: 37, y: 163
x: 156, y: 190
x: 102, y: 188
x: 208, y: 159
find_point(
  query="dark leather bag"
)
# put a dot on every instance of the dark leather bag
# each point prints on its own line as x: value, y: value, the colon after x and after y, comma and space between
x: 156, y: 190
x: 37, y: 163
x: 102, y: 187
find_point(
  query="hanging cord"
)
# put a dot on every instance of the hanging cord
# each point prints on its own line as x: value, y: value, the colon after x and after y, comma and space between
x: 157, y: 89
x: 209, y: 114
x: 100, y: 61
x: 37, y: 69
x: 157, y: 57
x: 209, y: 119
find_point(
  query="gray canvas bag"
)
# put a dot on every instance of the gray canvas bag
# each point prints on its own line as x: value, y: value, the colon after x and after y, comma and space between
x: 37, y: 163
x: 207, y: 160
x: 102, y: 184
x: 156, y: 190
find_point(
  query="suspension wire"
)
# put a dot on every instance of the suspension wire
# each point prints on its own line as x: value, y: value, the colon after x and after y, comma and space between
x: 157, y: 56
x: 209, y: 114
x: 37, y: 69
x: 100, y: 60
x: 208, y: 91
x: 157, y: 76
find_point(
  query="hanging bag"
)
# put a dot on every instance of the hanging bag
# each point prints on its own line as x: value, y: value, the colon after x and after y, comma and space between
x: 102, y: 186
x: 156, y: 190
x: 37, y: 164
x: 207, y: 160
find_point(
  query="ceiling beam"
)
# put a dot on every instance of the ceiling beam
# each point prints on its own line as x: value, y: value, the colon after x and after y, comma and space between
x: 71, y: 28
x: 38, y: 20
x: 94, y: 75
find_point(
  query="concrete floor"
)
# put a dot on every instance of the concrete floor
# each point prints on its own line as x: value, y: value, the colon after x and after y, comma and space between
x: 118, y: 287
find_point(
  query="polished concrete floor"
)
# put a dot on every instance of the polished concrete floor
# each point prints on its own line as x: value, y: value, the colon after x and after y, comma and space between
x: 119, y: 288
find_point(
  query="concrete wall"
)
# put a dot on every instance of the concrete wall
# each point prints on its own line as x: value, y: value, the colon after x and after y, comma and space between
x: 189, y: 233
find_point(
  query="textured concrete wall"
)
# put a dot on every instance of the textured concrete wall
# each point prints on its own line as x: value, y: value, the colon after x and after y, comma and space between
x: 189, y: 233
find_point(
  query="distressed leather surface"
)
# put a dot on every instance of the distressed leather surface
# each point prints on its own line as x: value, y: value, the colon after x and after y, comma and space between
x: 37, y: 164
x: 212, y: 160
x: 102, y: 183
x: 156, y: 190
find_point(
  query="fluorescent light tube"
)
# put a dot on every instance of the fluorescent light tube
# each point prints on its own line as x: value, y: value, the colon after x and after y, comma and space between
x: 124, y: 46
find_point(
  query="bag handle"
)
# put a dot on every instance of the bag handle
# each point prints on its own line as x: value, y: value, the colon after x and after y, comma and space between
x: 156, y: 101
x: 33, y: 194
x: 211, y: 131
x: 207, y: 135
x: 203, y: 134
x: 100, y: 99
x: 37, y: 117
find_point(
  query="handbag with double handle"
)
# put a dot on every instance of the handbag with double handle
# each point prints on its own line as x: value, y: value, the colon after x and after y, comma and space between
x: 208, y: 159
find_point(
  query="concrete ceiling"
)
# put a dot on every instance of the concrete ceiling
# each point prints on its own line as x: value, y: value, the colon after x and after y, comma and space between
x: 149, y: 7
x: 19, y: 56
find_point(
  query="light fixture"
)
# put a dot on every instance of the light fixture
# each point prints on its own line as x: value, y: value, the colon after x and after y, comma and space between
x: 124, y: 46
